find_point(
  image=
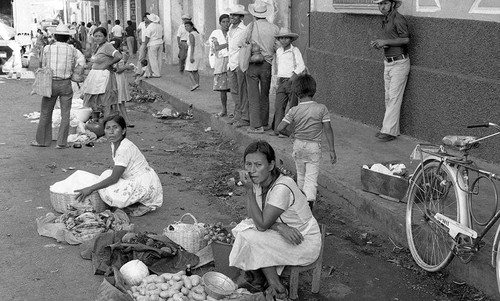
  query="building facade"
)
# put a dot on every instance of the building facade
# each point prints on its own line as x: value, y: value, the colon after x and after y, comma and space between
x: 455, y: 65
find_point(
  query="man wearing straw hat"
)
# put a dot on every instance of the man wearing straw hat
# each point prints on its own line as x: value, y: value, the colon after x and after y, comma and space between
x: 289, y: 65
x: 60, y: 57
x: 394, y: 41
x: 182, y: 38
x: 236, y: 76
x: 258, y: 74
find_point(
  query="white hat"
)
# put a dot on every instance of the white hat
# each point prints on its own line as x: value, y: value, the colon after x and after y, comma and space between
x: 398, y: 2
x: 64, y: 30
x: 186, y: 16
x: 153, y: 18
x: 261, y: 9
x: 237, y: 9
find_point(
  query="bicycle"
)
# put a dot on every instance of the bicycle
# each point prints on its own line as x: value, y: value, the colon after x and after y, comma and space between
x: 440, y: 218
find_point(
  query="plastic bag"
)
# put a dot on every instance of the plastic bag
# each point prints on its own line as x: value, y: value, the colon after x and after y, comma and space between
x: 43, y: 82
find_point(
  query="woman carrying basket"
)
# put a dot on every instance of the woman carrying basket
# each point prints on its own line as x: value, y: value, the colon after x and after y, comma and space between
x: 132, y: 184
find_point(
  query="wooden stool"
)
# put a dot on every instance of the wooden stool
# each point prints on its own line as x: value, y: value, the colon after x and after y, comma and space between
x: 294, y: 271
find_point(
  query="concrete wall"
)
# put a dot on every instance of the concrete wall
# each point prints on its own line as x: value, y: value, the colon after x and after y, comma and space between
x: 454, y: 79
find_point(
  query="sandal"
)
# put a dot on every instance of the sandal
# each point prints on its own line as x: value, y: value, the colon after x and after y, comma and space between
x: 36, y: 144
x: 62, y: 146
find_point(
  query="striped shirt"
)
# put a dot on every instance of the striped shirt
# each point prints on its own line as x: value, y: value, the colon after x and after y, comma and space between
x: 61, y: 58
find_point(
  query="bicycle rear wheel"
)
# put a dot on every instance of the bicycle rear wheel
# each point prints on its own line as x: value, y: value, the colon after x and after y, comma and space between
x: 432, y: 190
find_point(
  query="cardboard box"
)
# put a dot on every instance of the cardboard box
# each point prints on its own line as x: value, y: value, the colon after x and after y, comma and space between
x: 387, y: 186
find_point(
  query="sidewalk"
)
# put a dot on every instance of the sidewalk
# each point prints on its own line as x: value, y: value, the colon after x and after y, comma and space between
x: 355, y: 144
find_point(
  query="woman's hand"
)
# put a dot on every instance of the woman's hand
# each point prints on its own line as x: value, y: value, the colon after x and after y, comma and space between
x: 291, y: 234
x: 83, y: 193
x: 245, y: 179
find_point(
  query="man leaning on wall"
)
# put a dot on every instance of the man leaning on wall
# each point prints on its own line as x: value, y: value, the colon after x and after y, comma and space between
x: 394, y: 40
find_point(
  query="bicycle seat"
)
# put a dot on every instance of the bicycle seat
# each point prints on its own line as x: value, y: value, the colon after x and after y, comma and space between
x: 458, y: 141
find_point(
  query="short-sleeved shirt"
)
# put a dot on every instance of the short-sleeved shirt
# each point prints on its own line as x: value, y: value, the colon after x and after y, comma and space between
x: 61, y: 58
x: 182, y: 33
x: 129, y: 31
x: 117, y: 31
x: 395, y: 26
x: 129, y: 156
x: 142, y: 28
x: 308, y: 117
x: 103, y: 55
x: 154, y: 32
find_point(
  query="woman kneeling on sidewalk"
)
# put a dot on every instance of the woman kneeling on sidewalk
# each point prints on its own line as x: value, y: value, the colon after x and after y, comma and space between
x: 132, y: 184
x: 281, y: 229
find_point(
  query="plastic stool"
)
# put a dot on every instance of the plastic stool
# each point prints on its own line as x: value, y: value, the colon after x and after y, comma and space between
x: 294, y: 271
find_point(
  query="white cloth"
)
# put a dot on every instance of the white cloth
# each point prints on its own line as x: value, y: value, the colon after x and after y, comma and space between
x: 96, y: 82
x: 182, y: 33
x: 218, y: 35
x: 155, y: 34
x: 289, y: 61
x: 139, y: 182
x: 253, y: 249
x: 235, y: 36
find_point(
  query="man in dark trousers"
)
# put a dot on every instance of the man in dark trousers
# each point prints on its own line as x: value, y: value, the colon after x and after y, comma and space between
x: 394, y: 41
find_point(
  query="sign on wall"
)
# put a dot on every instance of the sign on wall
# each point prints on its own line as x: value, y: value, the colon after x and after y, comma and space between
x: 481, y: 10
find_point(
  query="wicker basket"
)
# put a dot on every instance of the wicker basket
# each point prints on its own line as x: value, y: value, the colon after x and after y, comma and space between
x: 61, y: 202
x: 189, y: 236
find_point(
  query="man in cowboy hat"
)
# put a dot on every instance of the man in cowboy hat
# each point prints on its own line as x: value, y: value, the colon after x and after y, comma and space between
x: 60, y: 57
x: 182, y: 37
x: 258, y: 75
x: 154, y: 43
x: 236, y: 76
x: 289, y: 65
x: 394, y: 41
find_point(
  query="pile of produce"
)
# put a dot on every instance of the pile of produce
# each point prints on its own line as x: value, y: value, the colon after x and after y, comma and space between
x: 137, y: 94
x: 84, y: 224
x: 217, y: 233
x: 148, y: 239
x: 169, y: 286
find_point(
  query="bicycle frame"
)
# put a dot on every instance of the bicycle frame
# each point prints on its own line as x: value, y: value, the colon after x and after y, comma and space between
x: 464, y: 195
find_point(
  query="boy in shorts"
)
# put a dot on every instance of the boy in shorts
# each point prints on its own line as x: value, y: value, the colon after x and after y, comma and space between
x: 311, y: 119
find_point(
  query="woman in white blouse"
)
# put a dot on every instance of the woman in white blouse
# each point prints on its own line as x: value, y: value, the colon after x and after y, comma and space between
x: 132, y: 184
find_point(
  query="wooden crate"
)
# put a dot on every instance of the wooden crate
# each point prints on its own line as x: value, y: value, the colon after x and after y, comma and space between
x: 387, y: 186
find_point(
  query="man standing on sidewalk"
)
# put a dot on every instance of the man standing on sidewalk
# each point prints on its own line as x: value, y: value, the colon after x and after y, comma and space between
x: 237, y: 81
x: 154, y: 43
x: 258, y: 74
x: 141, y: 37
x: 394, y: 42
x: 182, y: 38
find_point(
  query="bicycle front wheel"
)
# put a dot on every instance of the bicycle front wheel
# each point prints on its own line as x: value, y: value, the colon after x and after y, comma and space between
x: 432, y: 190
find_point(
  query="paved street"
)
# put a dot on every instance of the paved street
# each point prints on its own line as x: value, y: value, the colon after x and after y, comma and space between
x: 194, y: 164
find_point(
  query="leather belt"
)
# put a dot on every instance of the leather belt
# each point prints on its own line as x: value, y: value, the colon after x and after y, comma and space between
x: 391, y: 59
x: 58, y: 78
x: 183, y: 40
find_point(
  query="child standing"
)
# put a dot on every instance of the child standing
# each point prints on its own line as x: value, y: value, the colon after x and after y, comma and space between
x: 289, y: 64
x: 122, y: 85
x: 142, y: 71
x: 310, y: 119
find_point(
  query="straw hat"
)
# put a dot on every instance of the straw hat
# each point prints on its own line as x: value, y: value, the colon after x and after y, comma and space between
x: 64, y: 29
x: 286, y: 33
x: 186, y: 16
x: 398, y: 2
x: 237, y: 9
x: 153, y: 18
x: 261, y: 9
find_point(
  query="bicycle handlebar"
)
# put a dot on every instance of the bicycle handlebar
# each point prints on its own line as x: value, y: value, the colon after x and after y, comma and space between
x: 484, y: 125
